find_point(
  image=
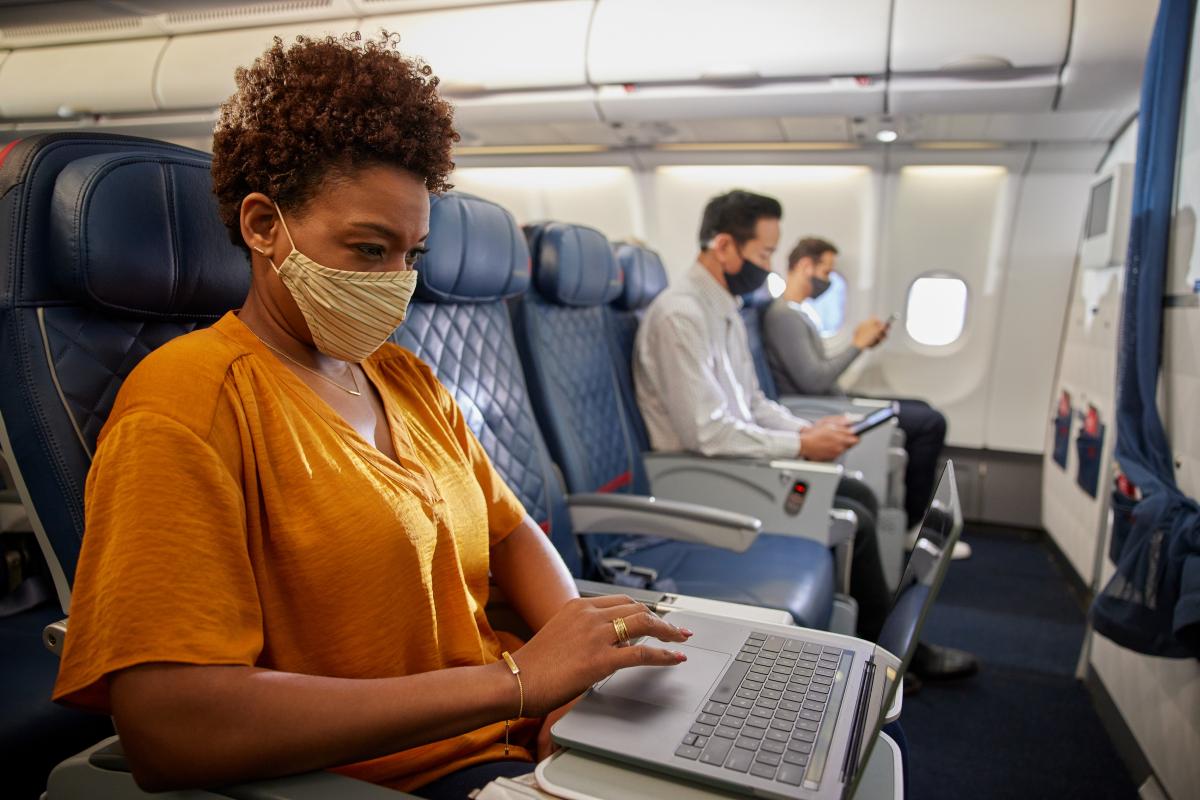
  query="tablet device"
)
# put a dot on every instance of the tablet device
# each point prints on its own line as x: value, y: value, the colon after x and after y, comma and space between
x: 873, y: 420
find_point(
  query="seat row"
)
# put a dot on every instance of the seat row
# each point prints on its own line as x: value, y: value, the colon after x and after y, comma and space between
x: 111, y: 246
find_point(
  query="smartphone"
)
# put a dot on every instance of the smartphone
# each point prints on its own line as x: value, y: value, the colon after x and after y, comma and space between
x: 873, y: 420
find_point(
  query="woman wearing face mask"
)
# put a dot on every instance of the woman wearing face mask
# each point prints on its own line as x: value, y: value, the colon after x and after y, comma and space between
x: 290, y: 526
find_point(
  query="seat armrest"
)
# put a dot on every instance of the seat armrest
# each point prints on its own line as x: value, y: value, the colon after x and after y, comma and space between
x: 54, y: 637
x: 639, y: 514
x: 791, y: 497
x: 101, y: 771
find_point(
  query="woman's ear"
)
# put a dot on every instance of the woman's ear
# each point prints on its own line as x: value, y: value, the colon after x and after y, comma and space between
x: 259, y: 224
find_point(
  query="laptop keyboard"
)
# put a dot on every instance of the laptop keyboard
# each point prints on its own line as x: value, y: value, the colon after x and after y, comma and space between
x: 765, y: 715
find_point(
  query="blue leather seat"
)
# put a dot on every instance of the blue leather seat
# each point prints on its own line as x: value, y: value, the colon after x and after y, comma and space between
x: 458, y: 324
x: 645, y: 278
x: 86, y: 294
x: 754, y: 305
x: 562, y: 326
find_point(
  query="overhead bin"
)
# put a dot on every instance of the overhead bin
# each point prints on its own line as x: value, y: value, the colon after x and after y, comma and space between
x: 1108, y: 50
x: 196, y: 71
x: 649, y: 103
x: 109, y: 77
x: 964, y: 35
x: 561, y: 105
x: 497, y: 48
x: 634, y: 41
x: 937, y: 95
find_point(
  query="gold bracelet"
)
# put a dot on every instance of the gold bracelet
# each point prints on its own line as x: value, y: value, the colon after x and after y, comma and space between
x: 516, y: 671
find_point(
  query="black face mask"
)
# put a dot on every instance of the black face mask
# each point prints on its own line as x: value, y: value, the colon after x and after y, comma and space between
x: 748, y: 279
x: 819, y: 286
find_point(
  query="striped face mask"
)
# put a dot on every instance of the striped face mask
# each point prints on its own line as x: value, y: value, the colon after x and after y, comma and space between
x: 351, y: 314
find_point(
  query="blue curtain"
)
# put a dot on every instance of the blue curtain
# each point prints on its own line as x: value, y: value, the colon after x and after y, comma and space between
x: 1152, y: 604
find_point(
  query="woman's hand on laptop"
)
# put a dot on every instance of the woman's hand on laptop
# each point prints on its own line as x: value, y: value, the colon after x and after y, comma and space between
x: 580, y: 645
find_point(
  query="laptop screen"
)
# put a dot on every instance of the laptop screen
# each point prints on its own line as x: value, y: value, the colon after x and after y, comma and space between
x: 923, y: 576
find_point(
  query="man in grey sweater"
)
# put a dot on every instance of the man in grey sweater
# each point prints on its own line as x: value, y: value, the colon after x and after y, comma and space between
x: 799, y: 365
x: 795, y: 350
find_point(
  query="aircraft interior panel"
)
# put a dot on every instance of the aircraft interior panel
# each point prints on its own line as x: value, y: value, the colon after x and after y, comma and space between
x: 1035, y: 291
x: 965, y: 210
x: 1159, y: 697
x: 196, y: 71
x: 605, y: 198
x: 109, y: 77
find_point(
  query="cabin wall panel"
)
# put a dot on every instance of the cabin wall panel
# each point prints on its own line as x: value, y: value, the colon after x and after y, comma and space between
x: 1158, y: 698
x: 606, y: 198
x: 955, y: 221
x: 1035, y: 292
x: 833, y: 202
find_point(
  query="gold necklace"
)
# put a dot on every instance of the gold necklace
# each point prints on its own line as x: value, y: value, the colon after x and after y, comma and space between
x: 355, y: 391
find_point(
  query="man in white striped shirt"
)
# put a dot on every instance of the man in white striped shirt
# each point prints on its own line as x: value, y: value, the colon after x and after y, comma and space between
x: 697, y: 389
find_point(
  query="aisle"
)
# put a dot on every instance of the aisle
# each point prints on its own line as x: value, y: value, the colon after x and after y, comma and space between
x: 1024, y: 727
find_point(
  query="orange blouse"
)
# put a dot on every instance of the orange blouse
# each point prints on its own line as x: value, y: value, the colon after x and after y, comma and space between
x: 233, y: 517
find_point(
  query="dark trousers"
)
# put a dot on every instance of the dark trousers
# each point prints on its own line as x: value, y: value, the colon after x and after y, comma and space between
x: 925, y: 433
x: 457, y: 785
x: 867, y: 584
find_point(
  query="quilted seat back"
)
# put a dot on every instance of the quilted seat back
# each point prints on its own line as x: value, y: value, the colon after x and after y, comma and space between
x: 562, y: 329
x: 459, y: 325
x: 644, y: 279
x: 110, y: 246
x: 754, y: 306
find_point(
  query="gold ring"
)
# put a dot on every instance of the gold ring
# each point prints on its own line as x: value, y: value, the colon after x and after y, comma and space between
x: 622, y: 631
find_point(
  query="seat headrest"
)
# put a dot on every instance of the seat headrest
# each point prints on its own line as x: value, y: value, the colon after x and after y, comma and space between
x: 476, y: 252
x: 759, y: 298
x: 645, y: 276
x: 573, y: 265
x: 137, y: 233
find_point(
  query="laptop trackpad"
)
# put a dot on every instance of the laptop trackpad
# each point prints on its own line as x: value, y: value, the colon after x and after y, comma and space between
x: 684, y: 687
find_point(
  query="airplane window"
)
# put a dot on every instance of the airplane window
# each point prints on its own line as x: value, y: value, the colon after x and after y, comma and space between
x: 937, y: 310
x: 776, y: 284
x: 830, y: 308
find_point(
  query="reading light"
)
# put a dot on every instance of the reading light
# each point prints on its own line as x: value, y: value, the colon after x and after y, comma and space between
x: 887, y: 136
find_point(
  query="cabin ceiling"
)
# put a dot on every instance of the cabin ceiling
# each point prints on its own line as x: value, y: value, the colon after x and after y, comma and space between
x: 825, y: 75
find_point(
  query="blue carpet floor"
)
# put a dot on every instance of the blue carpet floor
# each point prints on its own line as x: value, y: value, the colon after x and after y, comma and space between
x: 1023, y: 727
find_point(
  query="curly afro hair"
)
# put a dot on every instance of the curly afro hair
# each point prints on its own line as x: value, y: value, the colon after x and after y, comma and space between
x: 324, y: 108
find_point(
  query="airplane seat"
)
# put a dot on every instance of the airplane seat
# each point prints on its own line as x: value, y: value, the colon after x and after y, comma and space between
x: 645, y: 277
x: 754, y: 305
x: 112, y: 247
x: 561, y: 329
x: 65, y: 346
x: 458, y: 324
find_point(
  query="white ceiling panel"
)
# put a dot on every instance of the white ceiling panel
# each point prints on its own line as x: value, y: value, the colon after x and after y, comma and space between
x: 816, y: 129
x: 1013, y: 127
x: 682, y: 102
x: 1060, y: 157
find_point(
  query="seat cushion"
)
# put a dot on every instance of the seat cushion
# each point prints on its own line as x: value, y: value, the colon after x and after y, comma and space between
x: 782, y: 572
x: 36, y: 734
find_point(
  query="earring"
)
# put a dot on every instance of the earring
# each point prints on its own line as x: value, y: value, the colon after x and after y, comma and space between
x: 258, y: 250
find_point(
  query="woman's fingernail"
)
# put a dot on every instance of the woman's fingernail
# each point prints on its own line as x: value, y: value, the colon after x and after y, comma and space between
x: 686, y: 632
x: 680, y: 657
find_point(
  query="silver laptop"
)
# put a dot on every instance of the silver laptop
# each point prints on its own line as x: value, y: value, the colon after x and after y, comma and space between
x: 772, y: 710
